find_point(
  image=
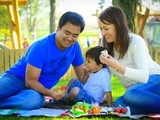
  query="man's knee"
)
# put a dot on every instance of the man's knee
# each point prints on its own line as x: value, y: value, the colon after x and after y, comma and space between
x: 33, y: 100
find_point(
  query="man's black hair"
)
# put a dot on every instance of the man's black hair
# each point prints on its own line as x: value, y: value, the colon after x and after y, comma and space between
x: 73, y: 18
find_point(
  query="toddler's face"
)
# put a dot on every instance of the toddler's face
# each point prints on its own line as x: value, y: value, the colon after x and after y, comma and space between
x: 92, y: 65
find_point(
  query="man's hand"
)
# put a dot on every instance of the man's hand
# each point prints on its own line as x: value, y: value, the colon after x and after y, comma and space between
x: 57, y: 93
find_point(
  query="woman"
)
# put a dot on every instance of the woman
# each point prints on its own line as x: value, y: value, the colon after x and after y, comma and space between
x: 130, y: 60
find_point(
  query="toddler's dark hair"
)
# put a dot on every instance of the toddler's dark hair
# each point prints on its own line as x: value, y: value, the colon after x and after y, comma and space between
x: 94, y: 53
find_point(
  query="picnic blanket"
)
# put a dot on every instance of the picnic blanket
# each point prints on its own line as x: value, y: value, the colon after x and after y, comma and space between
x: 60, y: 110
x: 54, y: 112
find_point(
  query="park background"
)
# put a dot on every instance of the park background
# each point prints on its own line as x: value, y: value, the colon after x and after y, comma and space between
x: 35, y: 22
x: 38, y: 18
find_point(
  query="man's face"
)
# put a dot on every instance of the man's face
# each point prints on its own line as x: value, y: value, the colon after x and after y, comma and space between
x: 67, y: 35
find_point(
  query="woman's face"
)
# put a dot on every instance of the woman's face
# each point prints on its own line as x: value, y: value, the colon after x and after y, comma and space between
x: 108, y: 31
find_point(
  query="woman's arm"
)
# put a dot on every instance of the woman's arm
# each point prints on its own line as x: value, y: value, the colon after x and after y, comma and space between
x: 137, y: 57
x: 140, y: 55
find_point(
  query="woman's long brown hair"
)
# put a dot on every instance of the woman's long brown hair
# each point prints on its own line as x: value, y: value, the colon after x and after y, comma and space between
x: 116, y: 16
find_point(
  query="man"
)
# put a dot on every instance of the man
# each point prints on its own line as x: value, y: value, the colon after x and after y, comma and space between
x: 26, y: 83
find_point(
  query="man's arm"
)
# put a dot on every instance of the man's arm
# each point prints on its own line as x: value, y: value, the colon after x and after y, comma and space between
x: 31, y: 80
x: 79, y: 71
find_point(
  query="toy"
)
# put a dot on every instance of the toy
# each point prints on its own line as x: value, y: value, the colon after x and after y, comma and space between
x: 63, y: 87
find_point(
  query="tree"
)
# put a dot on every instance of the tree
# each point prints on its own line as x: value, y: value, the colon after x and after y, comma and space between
x: 137, y: 12
x: 136, y: 21
x: 33, y: 11
x: 129, y: 8
x: 52, y: 15
x: 4, y: 22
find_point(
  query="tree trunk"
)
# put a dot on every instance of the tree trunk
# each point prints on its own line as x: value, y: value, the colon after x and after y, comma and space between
x: 129, y: 8
x: 52, y: 15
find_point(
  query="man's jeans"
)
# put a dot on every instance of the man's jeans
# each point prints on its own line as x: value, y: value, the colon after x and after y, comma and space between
x: 14, y: 94
x: 142, y: 98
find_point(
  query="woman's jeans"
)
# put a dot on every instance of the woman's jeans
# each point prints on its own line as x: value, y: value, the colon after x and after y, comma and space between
x: 142, y: 98
x: 14, y: 94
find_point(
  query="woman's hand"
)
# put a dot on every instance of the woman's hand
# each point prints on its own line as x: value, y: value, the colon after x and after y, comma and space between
x: 110, y: 61
x: 113, y: 63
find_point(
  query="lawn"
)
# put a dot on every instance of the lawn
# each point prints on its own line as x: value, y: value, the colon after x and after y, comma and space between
x: 67, y: 118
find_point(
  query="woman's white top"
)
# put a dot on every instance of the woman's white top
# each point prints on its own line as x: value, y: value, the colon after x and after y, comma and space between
x: 138, y: 62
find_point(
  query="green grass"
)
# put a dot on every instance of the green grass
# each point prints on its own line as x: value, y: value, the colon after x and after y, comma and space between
x: 117, y: 88
x: 67, y: 118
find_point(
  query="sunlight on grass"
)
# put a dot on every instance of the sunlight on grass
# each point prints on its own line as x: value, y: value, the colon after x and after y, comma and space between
x: 117, y: 88
x: 66, y: 118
